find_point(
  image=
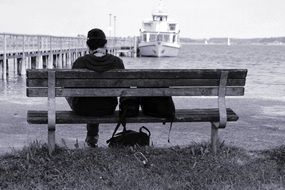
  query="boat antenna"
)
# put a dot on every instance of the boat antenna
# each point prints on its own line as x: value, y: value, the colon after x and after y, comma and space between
x: 159, y: 8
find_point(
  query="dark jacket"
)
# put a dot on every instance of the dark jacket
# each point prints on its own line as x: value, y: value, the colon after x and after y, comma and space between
x: 97, y: 106
x: 98, y: 64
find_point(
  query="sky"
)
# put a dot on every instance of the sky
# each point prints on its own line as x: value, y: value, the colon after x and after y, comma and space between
x: 196, y: 18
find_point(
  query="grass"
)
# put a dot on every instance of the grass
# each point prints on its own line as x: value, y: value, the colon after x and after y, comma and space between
x: 192, y: 167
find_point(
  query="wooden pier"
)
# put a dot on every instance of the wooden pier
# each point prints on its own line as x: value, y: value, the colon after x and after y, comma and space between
x: 126, y: 47
x: 45, y: 51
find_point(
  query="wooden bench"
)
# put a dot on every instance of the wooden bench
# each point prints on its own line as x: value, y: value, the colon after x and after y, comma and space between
x: 190, y: 82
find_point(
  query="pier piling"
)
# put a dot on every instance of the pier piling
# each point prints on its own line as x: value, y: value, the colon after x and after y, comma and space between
x: 19, y: 66
x: 4, y: 69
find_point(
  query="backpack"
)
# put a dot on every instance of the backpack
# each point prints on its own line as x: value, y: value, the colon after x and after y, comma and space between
x: 129, y: 137
x: 129, y: 106
x: 158, y: 106
x: 162, y: 107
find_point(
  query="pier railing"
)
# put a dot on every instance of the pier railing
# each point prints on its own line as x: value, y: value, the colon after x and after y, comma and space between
x: 14, y: 43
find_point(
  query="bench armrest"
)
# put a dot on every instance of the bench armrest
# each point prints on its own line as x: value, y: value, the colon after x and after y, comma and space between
x: 222, y: 101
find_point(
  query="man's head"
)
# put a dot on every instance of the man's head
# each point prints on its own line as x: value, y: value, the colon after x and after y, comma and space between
x: 96, y: 39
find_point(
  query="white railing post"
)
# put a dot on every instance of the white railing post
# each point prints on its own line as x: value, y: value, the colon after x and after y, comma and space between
x: 135, y: 46
x: 39, y: 62
x: 50, y: 60
x: 23, y: 63
x: 60, y: 53
x: 4, y: 67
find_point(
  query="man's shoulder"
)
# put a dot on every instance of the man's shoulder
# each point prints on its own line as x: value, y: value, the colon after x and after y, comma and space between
x: 80, y: 62
x: 82, y: 58
x: 116, y: 60
x: 114, y: 57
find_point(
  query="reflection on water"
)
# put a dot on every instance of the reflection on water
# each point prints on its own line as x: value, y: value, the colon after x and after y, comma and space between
x: 274, y: 110
x: 12, y: 87
x: 265, y: 64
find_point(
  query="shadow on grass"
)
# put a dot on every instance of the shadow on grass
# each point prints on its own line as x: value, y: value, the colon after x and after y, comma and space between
x: 191, y: 167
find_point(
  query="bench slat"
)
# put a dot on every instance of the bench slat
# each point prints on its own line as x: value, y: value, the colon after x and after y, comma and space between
x: 182, y: 115
x: 132, y: 82
x: 144, y: 73
x: 109, y: 92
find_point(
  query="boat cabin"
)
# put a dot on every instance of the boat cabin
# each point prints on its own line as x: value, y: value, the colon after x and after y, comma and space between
x: 160, y: 37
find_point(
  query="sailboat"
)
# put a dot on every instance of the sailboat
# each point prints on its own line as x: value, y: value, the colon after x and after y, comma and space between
x: 229, y: 42
x: 206, y: 42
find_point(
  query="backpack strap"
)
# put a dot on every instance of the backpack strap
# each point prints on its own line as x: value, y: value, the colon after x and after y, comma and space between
x: 170, y: 127
x: 121, y: 121
x: 143, y: 127
x: 117, y: 127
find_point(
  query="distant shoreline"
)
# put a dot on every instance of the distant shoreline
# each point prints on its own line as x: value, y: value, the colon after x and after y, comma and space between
x: 235, y: 41
x: 224, y: 44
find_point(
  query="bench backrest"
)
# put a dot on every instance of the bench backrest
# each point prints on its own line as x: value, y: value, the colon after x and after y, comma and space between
x: 134, y: 82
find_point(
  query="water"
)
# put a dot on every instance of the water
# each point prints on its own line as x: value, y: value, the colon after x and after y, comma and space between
x: 265, y: 64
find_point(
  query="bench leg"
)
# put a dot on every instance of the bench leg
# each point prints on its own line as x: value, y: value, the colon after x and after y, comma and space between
x: 51, y: 141
x: 214, y: 137
x: 51, y: 111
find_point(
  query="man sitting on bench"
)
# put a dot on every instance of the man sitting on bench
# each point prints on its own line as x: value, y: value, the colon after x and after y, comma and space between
x: 97, y: 60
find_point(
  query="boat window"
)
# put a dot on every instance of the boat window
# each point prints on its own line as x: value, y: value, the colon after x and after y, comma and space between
x: 159, y: 37
x: 166, y: 38
x: 174, y: 38
x: 144, y: 38
x: 156, y: 18
x: 172, y: 26
x: 152, y: 37
x: 147, y: 24
x: 159, y: 18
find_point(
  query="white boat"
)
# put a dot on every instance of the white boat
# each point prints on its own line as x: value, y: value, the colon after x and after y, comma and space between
x: 159, y: 37
x: 229, y: 42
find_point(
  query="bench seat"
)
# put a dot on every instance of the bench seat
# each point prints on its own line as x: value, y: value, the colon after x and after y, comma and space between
x: 181, y: 115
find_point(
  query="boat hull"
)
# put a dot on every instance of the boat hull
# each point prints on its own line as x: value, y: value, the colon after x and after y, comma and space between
x: 158, y: 49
